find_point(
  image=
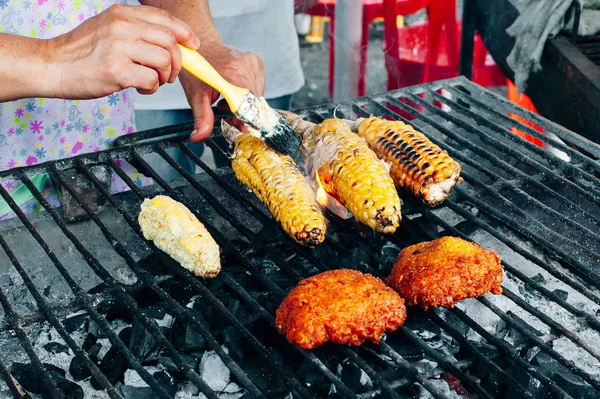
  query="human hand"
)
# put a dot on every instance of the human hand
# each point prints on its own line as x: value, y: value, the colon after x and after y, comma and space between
x: 238, y: 67
x: 122, y: 47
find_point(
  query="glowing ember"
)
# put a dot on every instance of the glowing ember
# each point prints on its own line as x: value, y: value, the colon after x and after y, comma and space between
x: 330, y: 202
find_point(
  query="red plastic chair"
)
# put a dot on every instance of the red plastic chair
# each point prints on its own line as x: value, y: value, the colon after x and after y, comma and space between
x: 428, y: 52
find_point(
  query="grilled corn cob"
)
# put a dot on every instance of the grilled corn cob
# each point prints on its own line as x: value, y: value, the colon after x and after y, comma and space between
x: 348, y: 169
x: 176, y: 231
x: 417, y: 164
x: 279, y: 184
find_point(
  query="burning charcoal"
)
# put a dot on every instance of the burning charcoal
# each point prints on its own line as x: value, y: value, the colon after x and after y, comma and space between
x: 166, y: 381
x: 422, y: 326
x: 153, y: 265
x: 27, y: 376
x: 357, y: 259
x: 427, y: 367
x: 142, y: 344
x: 240, y: 312
x: 74, y: 321
x: 112, y: 310
x: 86, y: 190
x: 186, y: 338
x: 131, y: 392
x: 387, y: 255
x: 568, y: 381
x: 56, y: 347
x: 309, y: 373
x: 232, y: 338
x: 213, y: 371
x: 78, y: 369
x: 180, y: 291
x: 266, y: 379
x: 355, y: 378
x: 113, y: 365
x: 561, y: 294
x: 156, y: 311
x: 260, y: 297
x: 172, y: 367
x: 538, y: 278
x: 70, y: 389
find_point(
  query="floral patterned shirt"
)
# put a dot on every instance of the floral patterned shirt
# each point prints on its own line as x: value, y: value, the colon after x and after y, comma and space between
x: 37, y: 130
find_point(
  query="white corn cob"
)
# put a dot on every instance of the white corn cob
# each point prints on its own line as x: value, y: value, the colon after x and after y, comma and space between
x: 176, y: 231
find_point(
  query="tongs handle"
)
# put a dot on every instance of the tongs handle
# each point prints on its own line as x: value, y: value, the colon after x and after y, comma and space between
x: 197, y: 65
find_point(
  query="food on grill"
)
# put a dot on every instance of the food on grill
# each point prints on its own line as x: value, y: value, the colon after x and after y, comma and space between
x: 445, y: 271
x: 417, y: 164
x: 350, y: 170
x: 279, y: 184
x: 176, y: 231
x: 342, y: 306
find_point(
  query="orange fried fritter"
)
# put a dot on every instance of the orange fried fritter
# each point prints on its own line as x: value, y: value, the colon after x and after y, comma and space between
x: 342, y: 306
x: 445, y: 271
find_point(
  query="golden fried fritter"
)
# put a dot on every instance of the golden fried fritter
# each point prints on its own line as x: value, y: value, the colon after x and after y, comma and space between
x: 444, y: 271
x: 342, y: 306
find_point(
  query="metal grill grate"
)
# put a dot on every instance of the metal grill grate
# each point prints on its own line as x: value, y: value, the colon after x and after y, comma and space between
x: 540, y: 212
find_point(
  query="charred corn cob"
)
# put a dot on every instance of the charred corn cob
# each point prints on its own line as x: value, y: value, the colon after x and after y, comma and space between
x: 417, y: 164
x: 279, y: 184
x: 176, y: 231
x: 348, y: 169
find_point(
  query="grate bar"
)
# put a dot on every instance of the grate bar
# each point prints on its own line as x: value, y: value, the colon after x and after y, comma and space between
x: 566, y: 168
x: 541, y: 169
x: 80, y: 354
x: 149, y: 323
x: 223, y: 241
x: 510, y: 322
x: 534, y: 232
x: 201, y: 289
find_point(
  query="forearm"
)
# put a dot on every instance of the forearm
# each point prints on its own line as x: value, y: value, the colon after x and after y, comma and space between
x: 195, y: 13
x: 26, y: 68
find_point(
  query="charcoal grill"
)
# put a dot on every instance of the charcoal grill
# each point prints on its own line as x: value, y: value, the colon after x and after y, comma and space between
x: 94, y: 290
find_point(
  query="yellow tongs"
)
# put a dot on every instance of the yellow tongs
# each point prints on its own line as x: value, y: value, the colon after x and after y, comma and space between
x: 246, y: 106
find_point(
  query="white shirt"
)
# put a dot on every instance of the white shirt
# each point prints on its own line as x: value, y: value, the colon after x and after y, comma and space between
x: 264, y: 27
